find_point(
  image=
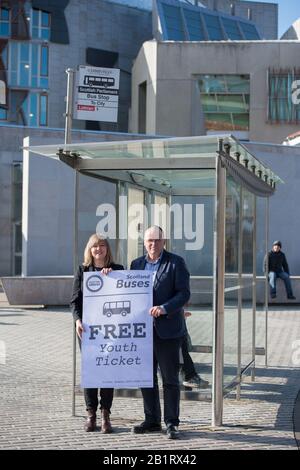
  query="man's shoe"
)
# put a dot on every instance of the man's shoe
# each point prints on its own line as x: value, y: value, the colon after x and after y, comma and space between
x: 145, y: 427
x: 273, y: 296
x: 90, y: 424
x: 172, y: 432
x: 291, y: 297
x: 196, y: 382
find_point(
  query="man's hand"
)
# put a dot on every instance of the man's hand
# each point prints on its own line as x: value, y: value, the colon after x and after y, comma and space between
x: 156, y: 311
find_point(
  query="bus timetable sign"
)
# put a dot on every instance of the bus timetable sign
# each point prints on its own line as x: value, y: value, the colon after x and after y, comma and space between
x: 97, y: 94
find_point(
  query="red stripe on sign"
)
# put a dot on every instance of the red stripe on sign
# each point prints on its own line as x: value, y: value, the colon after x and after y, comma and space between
x: 83, y: 107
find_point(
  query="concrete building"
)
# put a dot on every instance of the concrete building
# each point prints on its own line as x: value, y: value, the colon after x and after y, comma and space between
x: 39, y: 39
x: 194, y: 88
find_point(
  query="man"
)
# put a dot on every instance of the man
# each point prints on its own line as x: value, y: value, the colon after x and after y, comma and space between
x: 277, y: 267
x: 170, y: 293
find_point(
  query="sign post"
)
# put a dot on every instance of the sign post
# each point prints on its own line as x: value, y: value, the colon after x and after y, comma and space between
x: 97, y: 94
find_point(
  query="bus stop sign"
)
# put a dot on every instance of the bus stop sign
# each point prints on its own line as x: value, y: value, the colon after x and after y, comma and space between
x: 96, y: 96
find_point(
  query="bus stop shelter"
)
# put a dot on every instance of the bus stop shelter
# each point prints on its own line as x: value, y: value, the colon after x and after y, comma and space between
x: 210, y: 195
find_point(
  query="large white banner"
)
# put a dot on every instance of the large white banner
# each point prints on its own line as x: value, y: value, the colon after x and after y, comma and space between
x: 117, y: 344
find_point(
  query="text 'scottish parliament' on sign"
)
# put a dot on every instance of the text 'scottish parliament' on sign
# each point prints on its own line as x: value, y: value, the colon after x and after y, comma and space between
x: 117, y: 344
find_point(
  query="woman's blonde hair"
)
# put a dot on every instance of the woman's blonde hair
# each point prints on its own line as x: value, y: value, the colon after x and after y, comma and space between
x: 95, y: 239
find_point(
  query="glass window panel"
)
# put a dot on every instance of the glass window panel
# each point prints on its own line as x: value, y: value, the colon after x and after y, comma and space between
x: 34, y: 59
x: 238, y: 83
x: 18, y: 235
x: 24, y: 74
x: 35, y: 17
x: 218, y: 121
x: 44, y: 82
x: 3, y: 114
x: 24, y: 57
x: 249, y: 30
x: 212, y: 83
x: 45, y: 18
x: 13, y: 78
x: 213, y: 27
x: 33, y: 109
x: 43, y: 110
x: 194, y: 25
x: 5, y: 57
x: 241, y: 122
x: 44, y: 60
x: 231, y: 103
x: 4, y: 14
x: 45, y: 33
x: 209, y: 103
x: 35, y: 32
x: 173, y: 22
x: 231, y: 28
x: 4, y: 29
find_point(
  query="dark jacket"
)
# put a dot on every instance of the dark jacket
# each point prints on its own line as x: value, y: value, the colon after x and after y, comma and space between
x: 172, y: 290
x: 77, y: 294
x: 277, y: 262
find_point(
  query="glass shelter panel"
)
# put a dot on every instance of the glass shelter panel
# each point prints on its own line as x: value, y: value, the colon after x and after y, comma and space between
x: 248, y: 208
x: 232, y: 279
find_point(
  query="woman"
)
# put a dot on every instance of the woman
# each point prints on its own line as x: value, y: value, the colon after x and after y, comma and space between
x: 97, y: 257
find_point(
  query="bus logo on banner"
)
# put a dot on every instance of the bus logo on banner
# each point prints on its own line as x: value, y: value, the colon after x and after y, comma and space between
x: 94, y: 283
x: 96, y: 95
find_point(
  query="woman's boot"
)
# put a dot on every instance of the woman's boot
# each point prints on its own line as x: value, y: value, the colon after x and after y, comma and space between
x: 106, y: 427
x: 90, y: 424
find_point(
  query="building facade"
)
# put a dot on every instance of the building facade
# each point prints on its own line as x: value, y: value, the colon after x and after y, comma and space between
x: 243, y: 87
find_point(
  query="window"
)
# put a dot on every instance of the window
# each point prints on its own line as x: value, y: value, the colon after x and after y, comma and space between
x: 232, y: 29
x: 3, y: 114
x: 40, y: 25
x: 281, y: 106
x: 28, y: 64
x: 213, y: 26
x: 35, y: 109
x: 17, y: 217
x: 4, y: 22
x: 173, y: 20
x: 194, y: 25
x: 225, y: 101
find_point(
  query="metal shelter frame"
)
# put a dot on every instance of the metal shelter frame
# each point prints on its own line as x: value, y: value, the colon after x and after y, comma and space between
x: 225, y: 155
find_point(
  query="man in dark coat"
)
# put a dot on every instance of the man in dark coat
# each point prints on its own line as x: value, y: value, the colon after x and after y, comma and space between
x: 278, y: 267
x: 171, y: 292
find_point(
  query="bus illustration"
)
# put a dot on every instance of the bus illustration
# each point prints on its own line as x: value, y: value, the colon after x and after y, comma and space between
x: 117, y: 308
x: 94, y: 80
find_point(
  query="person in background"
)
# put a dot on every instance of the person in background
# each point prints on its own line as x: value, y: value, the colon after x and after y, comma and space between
x: 191, y: 378
x: 97, y: 257
x: 277, y: 266
x: 171, y: 291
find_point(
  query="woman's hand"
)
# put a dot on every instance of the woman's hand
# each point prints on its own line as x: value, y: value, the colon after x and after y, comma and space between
x: 79, y: 328
x: 106, y: 271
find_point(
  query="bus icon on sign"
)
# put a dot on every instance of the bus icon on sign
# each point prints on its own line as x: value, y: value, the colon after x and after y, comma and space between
x: 117, y: 308
x: 94, y: 80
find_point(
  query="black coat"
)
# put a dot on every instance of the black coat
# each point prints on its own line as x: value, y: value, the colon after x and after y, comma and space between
x: 172, y: 290
x: 277, y: 262
x: 77, y: 293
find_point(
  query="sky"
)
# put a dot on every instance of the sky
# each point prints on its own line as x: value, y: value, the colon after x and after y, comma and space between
x: 289, y: 11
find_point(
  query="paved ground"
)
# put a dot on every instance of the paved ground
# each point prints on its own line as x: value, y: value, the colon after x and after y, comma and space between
x: 35, y: 393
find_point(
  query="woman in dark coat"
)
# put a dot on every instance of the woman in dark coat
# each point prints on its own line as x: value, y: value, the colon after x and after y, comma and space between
x: 97, y: 257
